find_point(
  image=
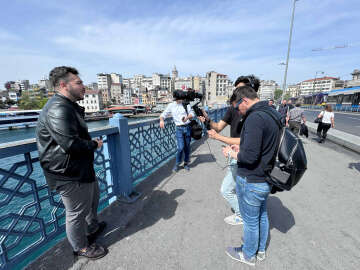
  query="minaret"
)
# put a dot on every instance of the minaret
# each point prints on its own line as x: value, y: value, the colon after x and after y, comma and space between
x: 174, y: 73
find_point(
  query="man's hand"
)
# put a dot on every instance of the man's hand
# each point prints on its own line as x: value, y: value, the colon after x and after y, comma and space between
x: 185, y: 118
x: 162, y: 124
x: 99, y: 143
x: 235, y: 147
x: 213, y: 134
x: 226, y: 150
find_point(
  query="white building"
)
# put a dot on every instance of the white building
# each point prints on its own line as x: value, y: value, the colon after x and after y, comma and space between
x: 92, y: 101
x: 162, y: 81
x: 23, y: 85
x: 217, y: 88
x: 293, y: 90
x: 267, y: 89
x: 126, y: 96
x: 104, y: 81
x: 183, y: 83
x: 317, y: 85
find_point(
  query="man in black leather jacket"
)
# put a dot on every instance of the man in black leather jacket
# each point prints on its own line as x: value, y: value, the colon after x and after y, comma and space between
x: 66, y: 153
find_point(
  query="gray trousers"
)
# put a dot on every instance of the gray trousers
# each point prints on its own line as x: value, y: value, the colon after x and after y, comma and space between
x: 81, y: 201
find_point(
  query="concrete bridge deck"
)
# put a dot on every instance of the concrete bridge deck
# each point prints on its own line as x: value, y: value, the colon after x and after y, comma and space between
x: 178, y: 224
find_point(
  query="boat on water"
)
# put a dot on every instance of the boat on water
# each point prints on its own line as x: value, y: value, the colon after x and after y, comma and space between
x: 23, y: 118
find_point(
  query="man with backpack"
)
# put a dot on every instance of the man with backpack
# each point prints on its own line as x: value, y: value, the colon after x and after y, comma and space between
x: 233, y: 118
x: 258, y: 146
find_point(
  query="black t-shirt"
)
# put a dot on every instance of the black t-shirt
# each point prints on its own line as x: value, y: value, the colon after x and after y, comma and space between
x: 233, y: 118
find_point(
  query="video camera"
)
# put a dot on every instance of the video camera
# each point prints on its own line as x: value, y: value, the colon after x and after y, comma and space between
x: 191, y: 95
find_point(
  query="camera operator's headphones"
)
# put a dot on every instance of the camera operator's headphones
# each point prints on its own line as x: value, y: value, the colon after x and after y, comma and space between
x: 251, y: 80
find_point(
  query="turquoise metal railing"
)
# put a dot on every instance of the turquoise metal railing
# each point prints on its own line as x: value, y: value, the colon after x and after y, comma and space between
x: 32, y: 216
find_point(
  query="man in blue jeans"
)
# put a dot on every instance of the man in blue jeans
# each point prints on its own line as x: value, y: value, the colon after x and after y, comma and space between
x: 181, y: 118
x: 233, y: 118
x: 258, y: 141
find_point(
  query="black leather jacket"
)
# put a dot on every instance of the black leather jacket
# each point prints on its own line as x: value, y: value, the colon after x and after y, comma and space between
x: 66, y: 151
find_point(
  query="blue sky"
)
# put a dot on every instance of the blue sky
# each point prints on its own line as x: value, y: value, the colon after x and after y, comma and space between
x: 141, y: 37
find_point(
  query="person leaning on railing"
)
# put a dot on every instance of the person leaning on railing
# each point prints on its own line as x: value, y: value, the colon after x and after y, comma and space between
x: 66, y: 153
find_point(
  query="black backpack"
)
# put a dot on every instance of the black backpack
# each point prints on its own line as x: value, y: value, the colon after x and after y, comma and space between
x: 289, y: 162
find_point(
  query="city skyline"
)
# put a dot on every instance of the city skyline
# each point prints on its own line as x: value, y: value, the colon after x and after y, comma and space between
x: 230, y: 37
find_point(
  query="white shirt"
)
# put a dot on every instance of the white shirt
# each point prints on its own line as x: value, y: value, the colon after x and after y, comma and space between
x: 177, y: 111
x: 326, y: 117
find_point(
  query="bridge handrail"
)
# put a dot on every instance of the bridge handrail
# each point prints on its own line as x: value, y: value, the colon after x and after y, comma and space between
x: 32, y: 216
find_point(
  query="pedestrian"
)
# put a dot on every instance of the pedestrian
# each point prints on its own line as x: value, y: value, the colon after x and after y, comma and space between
x: 66, y: 153
x: 271, y: 104
x: 258, y: 141
x: 327, y: 121
x: 295, y: 116
x: 233, y: 118
x: 181, y: 114
x: 283, y: 108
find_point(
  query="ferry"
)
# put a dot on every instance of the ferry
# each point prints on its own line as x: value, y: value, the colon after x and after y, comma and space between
x: 10, y: 119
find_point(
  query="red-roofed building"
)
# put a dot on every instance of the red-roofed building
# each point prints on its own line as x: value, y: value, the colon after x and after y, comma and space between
x: 316, y: 85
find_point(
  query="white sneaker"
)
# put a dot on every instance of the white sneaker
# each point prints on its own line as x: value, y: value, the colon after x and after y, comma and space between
x: 233, y: 220
x: 261, y: 256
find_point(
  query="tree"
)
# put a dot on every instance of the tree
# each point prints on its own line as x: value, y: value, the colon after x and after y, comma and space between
x: 277, y: 94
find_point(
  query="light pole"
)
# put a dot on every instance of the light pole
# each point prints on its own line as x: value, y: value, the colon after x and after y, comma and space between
x: 313, y: 91
x: 288, y: 52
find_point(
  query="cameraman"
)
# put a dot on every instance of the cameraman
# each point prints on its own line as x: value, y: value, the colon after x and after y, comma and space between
x: 181, y: 118
x: 234, y: 119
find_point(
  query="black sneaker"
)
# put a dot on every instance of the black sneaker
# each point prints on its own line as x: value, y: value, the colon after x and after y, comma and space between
x: 92, y: 252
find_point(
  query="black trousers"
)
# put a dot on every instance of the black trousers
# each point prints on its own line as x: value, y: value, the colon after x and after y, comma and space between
x: 322, y: 130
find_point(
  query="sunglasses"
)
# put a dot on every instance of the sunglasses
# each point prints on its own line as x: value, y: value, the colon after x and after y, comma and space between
x: 238, y: 103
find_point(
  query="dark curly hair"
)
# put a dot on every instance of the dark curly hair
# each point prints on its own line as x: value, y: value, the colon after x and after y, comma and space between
x: 250, y: 80
x: 58, y: 74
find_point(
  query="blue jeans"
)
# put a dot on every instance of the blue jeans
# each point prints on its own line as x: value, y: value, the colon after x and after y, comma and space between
x: 228, y: 187
x: 252, y: 201
x: 183, y: 139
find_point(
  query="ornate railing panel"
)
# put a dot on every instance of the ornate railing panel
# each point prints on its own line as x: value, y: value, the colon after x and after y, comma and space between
x: 150, y: 145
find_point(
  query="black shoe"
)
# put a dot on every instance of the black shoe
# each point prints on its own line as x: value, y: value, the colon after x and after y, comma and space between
x: 92, y: 252
x: 92, y: 237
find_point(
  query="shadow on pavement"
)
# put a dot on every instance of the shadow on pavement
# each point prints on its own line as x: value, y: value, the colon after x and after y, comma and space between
x: 354, y: 165
x: 159, y: 205
x: 280, y: 217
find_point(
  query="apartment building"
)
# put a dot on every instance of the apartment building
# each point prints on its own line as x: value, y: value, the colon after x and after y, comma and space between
x: 267, y: 89
x: 293, y: 90
x: 183, y: 83
x: 317, y: 85
x: 162, y: 81
x: 217, y: 88
x: 92, y: 101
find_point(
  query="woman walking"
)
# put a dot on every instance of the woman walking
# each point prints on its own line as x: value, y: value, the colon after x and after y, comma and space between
x: 327, y: 121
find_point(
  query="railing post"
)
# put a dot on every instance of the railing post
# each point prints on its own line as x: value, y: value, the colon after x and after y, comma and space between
x: 120, y: 160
